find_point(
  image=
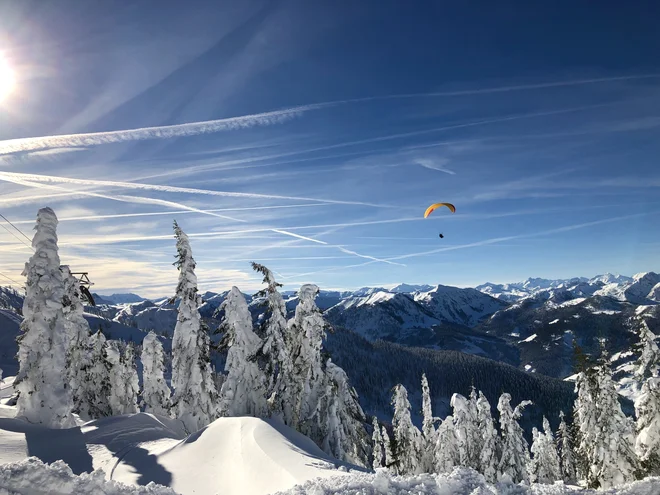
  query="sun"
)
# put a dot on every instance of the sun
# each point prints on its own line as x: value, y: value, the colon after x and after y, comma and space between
x: 7, y: 79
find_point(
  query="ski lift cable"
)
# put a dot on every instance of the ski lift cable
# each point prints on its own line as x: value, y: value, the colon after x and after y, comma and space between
x: 14, y: 235
x: 10, y: 279
x: 21, y: 232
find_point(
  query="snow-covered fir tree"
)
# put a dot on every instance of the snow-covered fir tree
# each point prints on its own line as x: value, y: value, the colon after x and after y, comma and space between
x: 78, y: 332
x: 155, y: 391
x: 195, y: 397
x: 428, y: 429
x: 446, y: 456
x: 565, y: 450
x: 377, y: 441
x: 123, y: 379
x: 488, y: 451
x: 96, y: 389
x: 306, y: 332
x: 406, y: 435
x: 605, y: 441
x: 544, y: 464
x: 42, y: 380
x: 466, y: 430
x: 274, y: 354
x: 243, y: 391
x: 649, y: 354
x: 514, y: 448
x: 340, y: 419
x: 387, y: 448
x: 647, y: 409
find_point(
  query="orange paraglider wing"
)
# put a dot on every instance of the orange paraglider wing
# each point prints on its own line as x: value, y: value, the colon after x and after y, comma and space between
x: 435, y: 206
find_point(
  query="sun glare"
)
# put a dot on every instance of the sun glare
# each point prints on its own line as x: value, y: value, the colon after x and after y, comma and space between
x: 6, y: 79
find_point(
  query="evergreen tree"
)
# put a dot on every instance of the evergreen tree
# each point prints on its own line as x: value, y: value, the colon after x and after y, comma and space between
x: 378, y: 450
x: 406, y: 434
x: 446, y: 454
x: 243, y: 392
x: 387, y: 447
x: 123, y: 379
x: 515, y: 450
x: 605, y: 442
x: 195, y: 396
x: 544, y: 464
x: 78, y: 332
x: 466, y: 430
x: 155, y: 392
x: 274, y: 354
x: 488, y: 450
x: 649, y: 354
x: 306, y: 332
x: 96, y: 388
x: 42, y: 380
x: 647, y: 409
x: 428, y: 429
x: 565, y: 448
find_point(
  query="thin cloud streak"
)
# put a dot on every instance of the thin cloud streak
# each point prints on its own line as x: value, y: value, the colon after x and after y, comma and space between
x: 161, y: 132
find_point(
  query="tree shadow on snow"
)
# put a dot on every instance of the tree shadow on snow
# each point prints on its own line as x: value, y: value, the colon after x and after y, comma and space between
x: 147, y: 466
x: 51, y: 445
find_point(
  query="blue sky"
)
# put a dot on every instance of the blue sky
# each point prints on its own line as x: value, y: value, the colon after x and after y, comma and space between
x: 316, y: 133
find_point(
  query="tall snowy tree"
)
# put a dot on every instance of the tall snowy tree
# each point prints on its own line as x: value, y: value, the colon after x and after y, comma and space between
x: 243, y: 392
x: 466, y: 429
x: 378, y: 451
x: 78, y: 332
x: 123, y: 379
x: 306, y: 331
x: 274, y: 354
x: 544, y: 464
x: 155, y: 392
x: 340, y: 419
x: 42, y: 380
x: 406, y: 435
x: 515, y: 450
x: 647, y: 409
x: 195, y: 396
x: 605, y: 441
x: 446, y: 455
x: 95, y: 390
x: 565, y: 448
x: 649, y: 354
x: 488, y: 432
x: 428, y: 429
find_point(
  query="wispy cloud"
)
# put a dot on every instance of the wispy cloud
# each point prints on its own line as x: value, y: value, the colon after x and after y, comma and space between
x: 162, y: 132
x: 437, y: 164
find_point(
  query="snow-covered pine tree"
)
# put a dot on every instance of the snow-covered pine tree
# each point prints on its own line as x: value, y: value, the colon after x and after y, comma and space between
x: 565, y: 448
x: 42, y: 381
x: 78, y: 332
x: 96, y: 388
x: 273, y: 355
x: 155, y: 392
x: 341, y: 419
x: 488, y: 432
x: 544, y: 464
x: 605, y: 435
x: 466, y: 424
x: 515, y: 450
x: 387, y: 447
x: 195, y: 397
x: 243, y: 392
x: 406, y: 435
x: 428, y: 429
x: 378, y: 451
x: 446, y: 449
x: 123, y: 379
x: 306, y: 332
x: 649, y: 353
x: 647, y: 409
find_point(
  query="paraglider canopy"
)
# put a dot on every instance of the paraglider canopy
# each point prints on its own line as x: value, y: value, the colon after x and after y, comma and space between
x: 435, y: 206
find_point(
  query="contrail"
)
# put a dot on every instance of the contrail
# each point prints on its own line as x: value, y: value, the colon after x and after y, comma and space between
x: 16, y: 178
x: 13, y: 176
x: 160, y: 132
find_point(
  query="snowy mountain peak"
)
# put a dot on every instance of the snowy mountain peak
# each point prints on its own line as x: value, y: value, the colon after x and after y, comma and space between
x: 410, y: 288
